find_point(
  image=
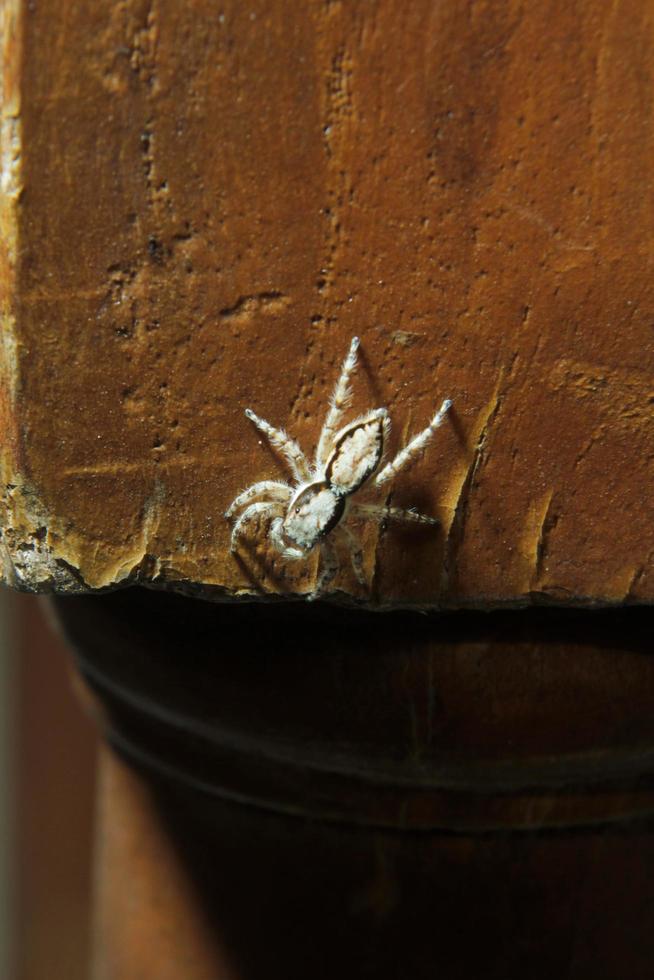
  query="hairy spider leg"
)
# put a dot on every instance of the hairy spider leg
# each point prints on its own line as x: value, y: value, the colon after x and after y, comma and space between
x: 339, y: 402
x: 413, y: 448
x: 287, y: 550
x: 283, y: 443
x: 272, y: 489
x: 254, y: 510
x: 379, y: 512
x: 329, y: 567
x: 355, y: 551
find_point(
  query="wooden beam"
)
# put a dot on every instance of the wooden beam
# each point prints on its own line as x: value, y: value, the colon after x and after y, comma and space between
x: 202, y: 206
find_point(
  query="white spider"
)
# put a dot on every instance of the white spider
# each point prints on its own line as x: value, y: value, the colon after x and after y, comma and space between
x: 315, y: 509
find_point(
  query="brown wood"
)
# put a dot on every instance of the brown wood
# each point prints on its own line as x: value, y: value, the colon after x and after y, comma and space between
x: 203, y: 204
x: 221, y: 892
x: 462, y: 722
x: 200, y: 206
x: 457, y: 797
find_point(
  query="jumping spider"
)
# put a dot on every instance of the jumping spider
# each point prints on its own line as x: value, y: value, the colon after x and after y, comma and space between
x: 315, y: 509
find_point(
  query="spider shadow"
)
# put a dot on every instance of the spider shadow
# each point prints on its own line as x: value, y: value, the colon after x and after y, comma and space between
x: 372, y: 383
x: 411, y: 495
x: 259, y: 569
x: 456, y: 423
x: 255, y: 569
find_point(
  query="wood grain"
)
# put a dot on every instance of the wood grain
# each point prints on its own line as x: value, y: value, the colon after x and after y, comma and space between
x: 207, y: 202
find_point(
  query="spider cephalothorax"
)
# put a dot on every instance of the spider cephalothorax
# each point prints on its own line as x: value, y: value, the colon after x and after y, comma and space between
x: 315, y: 510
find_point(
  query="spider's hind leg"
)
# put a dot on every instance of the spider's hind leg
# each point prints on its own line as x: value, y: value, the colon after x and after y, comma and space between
x: 339, y: 401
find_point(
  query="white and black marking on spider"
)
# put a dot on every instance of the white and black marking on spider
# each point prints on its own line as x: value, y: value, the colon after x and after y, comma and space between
x: 314, y: 510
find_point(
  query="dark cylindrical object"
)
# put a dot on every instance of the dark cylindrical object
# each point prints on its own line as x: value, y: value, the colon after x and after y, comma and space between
x: 348, y: 794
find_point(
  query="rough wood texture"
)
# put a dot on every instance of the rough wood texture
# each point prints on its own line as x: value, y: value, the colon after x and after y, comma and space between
x: 202, y: 204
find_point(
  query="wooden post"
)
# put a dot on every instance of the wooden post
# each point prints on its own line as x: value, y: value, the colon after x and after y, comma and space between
x: 436, y: 797
x: 200, y: 207
x: 460, y: 186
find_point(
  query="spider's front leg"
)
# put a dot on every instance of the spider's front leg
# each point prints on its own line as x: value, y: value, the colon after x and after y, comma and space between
x: 272, y: 489
x: 277, y: 538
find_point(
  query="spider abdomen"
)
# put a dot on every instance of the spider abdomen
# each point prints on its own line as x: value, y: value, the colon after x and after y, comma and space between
x: 357, y: 451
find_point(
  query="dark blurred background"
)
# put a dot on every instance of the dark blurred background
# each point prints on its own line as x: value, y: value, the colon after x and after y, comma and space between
x: 47, y: 772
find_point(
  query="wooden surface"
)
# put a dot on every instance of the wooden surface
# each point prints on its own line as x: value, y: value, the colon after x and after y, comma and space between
x: 310, y: 792
x: 463, y: 722
x: 202, y: 204
x: 210, y: 890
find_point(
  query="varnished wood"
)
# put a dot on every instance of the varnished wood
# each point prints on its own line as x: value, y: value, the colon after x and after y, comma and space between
x: 383, y: 797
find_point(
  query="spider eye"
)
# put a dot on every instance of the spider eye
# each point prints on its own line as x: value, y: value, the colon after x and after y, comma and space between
x: 297, y: 510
